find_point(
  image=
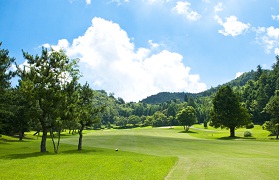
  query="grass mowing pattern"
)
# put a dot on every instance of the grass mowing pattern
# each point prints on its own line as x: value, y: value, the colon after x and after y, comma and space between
x: 146, y: 153
x: 20, y: 160
x: 199, y: 158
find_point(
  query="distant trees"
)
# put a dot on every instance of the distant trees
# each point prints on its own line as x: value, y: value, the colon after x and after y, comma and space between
x: 49, y: 98
x: 187, y: 117
x: 227, y: 111
x: 272, y: 107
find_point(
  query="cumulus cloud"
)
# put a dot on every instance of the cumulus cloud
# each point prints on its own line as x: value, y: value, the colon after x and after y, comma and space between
x: 183, y: 8
x: 109, y: 61
x: 88, y: 2
x: 238, y: 74
x: 218, y: 7
x: 275, y: 17
x: 268, y: 38
x: 232, y: 27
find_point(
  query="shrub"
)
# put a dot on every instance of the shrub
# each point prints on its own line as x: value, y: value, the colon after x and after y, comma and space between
x: 247, y: 134
x: 129, y: 125
x: 250, y: 126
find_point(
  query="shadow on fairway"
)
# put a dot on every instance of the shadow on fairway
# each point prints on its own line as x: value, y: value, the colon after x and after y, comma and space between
x: 38, y: 154
x: 5, y: 141
x: 188, y: 132
x: 25, y: 155
x: 83, y: 151
x: 230, y: 138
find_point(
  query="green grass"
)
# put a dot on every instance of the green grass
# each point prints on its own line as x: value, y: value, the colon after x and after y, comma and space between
x: 146, y: 153
x: 21, y: 160
x: 211, y: 133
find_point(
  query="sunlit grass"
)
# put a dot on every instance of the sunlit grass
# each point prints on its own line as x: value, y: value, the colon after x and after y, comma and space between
x: 212, y: 133
x: 22, y: 160
x: 146, y: 153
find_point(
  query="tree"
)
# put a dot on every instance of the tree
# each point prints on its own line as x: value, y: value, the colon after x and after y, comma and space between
x: 88, y: 113
x: 18, y: 123
x: 227, y: 111
x: 191, y: 102
x: 134, y: 119
x: 185, y: 98
x: 5, y: 77
x: 159, y: 119
x: 43, y: 81
x: 272, y: 107
x: 187, y: 117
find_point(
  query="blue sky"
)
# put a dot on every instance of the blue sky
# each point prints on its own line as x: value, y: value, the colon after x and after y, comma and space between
x: 136, y: 48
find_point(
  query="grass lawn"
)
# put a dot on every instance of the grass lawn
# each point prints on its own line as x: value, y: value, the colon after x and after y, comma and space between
x: 21, y: 160
x: 146, y: 153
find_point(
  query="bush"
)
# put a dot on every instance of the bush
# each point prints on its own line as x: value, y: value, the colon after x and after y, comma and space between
x: 129, y: 125
x: 250, y: 126
x: 247, y: 134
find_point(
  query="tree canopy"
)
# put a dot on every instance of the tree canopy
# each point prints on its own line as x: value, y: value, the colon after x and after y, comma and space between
x: 43, y: 82
x: 187, y: 117
x: 272, y: 107
x: 227, y: 111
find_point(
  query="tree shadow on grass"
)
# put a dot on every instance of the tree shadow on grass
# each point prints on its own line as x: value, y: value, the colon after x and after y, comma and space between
x: 26, y: 155
x: 235, y: 138
x: 188, y: 132
x: 83, y: 151
x: 5, y: 141
x: 38, y: 154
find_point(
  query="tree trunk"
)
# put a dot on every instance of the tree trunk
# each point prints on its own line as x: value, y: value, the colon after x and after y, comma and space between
x: 53, y: 142
x: 232, y: 131
x: 80, y: 137
x: 21, y: 135
x: 43, y: 142
x: 80, y: 140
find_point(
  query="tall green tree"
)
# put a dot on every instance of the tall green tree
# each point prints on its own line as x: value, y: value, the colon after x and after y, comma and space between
x: 43, y: 81
x: 88, y: 113
x: 5, y: 76
x: 272, y: 107
x: 227, y: 111
x: 187, y: 117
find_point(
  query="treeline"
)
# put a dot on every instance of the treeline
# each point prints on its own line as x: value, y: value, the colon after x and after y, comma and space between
x: 50, y: 99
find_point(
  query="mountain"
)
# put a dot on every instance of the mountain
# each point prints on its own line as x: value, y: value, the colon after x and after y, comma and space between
x: 167, y: 96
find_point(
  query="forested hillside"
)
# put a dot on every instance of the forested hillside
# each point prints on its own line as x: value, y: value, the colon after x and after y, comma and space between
x: 168, y: 96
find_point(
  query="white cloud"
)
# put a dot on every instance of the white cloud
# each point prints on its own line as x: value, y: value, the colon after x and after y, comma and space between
x: 275, y: 17
x: 109, y: 61
x: 276, y: 51
x: 232, y: 27
x: 88, y: 2
x: 268, y: 38
x: 119, y: 2
x: 273, y: 32
x: 183, y: 8
x: 238, y: 74
x: 218, y: 7
x: 153, y: 45
x: 157, y: 1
